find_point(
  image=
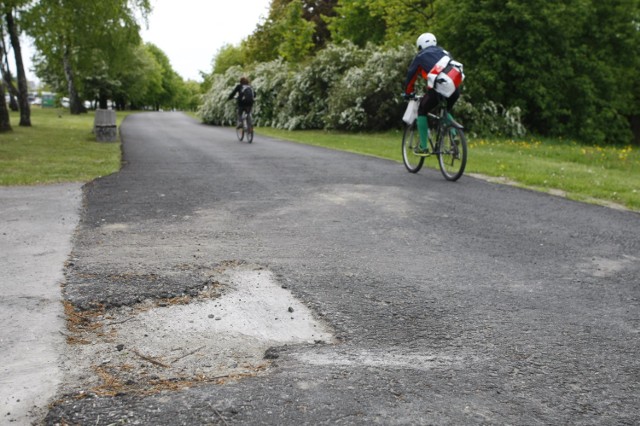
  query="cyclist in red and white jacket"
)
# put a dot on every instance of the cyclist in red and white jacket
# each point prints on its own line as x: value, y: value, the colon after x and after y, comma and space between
x: 429, y: 53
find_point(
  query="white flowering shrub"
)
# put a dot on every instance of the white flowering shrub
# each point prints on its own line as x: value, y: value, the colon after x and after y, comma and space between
x: 489, y: 118
x: 368, y: 97
x: 270, y: 80
x: 216, y: 107
x: 343, y: 87
x: 304, y: 98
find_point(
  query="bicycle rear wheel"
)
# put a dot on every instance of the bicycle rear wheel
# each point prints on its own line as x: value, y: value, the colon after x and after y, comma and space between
x: 410, y: 142
x: 240, y: 132
x: 452, y: 154
x: 249, y: 129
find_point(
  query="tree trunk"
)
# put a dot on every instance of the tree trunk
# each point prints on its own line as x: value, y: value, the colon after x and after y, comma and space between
x: 8, y: 78
x: 23, y: 88
x: 634, y: 120
x: 11, y: 90
x: 13, y: 102
x: 5, y: 122
x: 102, y: 100
x: 75, y: 106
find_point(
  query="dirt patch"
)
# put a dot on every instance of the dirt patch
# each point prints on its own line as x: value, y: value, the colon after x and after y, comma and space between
x: 221, y: 334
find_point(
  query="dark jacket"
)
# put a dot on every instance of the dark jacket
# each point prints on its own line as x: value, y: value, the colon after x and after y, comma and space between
x: 241, y: 99
x: 422, y: 64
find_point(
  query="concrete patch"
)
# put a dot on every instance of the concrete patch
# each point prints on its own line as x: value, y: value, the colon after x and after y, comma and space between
x: 602, y: 267
x: 221, y: 335
x: 383, y: 359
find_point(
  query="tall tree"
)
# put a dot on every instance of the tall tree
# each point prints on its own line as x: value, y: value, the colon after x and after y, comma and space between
x: 357, y: 22
x: 6, y: 74
x: 569, y: 65
x: 170, y: 80
x: 391, y: 22
x: 316, y: 12
x: 10, y: 10
x: 294, y: 29
x: 5, y: 121
x: 227, y: 57
x: 140, y: 82
x: 296, y: 33
x: 78, y: 38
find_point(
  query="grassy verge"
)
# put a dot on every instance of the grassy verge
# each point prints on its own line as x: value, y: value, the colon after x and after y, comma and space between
x: 602, y: 175
x: 58, y: 147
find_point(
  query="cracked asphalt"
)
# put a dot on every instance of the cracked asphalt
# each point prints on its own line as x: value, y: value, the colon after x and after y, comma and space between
x: 449, y: 303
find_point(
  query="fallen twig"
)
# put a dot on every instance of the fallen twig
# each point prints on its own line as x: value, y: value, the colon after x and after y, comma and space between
x: 151, y: 360
x: 120, y: 322
x: 187, y: 354
x: 220, y: 415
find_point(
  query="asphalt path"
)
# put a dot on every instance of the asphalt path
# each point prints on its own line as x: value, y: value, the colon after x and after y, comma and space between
x: 449, y: 303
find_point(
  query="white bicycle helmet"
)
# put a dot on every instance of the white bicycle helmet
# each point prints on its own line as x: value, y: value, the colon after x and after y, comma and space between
x: 425, y: 40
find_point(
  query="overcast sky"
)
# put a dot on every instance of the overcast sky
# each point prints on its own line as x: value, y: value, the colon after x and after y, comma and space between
x: 190, y: 32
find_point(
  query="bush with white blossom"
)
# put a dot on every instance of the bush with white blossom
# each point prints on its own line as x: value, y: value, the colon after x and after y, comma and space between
x: 343, y: 87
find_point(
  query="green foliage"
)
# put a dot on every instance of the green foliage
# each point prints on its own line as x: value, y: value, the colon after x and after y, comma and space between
x: 171, y: 83
x: 294, y: 30
x: 390, y: 22
x: 227, y: 57
x: 94, y: 49
x: 296, y: 33
x: 141, y: 81
x: 555, y: 68
x: 262, y: 45
x: 190, y: 96
x: 356, y: 22
x: 568, y: 65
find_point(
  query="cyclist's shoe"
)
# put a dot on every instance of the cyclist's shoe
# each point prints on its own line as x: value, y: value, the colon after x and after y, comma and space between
x: 421, y: 151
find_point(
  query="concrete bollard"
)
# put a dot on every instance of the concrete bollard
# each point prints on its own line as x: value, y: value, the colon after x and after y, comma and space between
x: 104, y: 125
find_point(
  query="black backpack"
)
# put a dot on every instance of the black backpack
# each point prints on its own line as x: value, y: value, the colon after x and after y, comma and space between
x: 246, y: 94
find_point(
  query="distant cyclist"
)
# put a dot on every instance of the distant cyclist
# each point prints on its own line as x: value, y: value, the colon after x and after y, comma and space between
x: 430, y: 61
x: 246, y: 96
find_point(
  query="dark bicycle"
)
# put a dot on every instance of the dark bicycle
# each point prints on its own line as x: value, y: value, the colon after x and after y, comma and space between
x: 246, y: 129
x: 446, y: 141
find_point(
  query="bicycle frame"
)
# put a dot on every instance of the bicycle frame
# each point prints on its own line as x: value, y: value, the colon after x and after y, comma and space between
x: 446, y: 141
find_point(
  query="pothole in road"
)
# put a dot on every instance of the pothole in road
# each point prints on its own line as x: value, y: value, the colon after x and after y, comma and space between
x: 221, y: 335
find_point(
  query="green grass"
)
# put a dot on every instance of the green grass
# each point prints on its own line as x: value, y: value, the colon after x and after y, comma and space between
x: 58, y: 147
x: 601, y: 175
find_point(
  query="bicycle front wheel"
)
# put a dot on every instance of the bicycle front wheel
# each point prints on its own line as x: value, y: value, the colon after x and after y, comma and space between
x: 411, y: 142
x: 452, y: 154
x: 240, y: 133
